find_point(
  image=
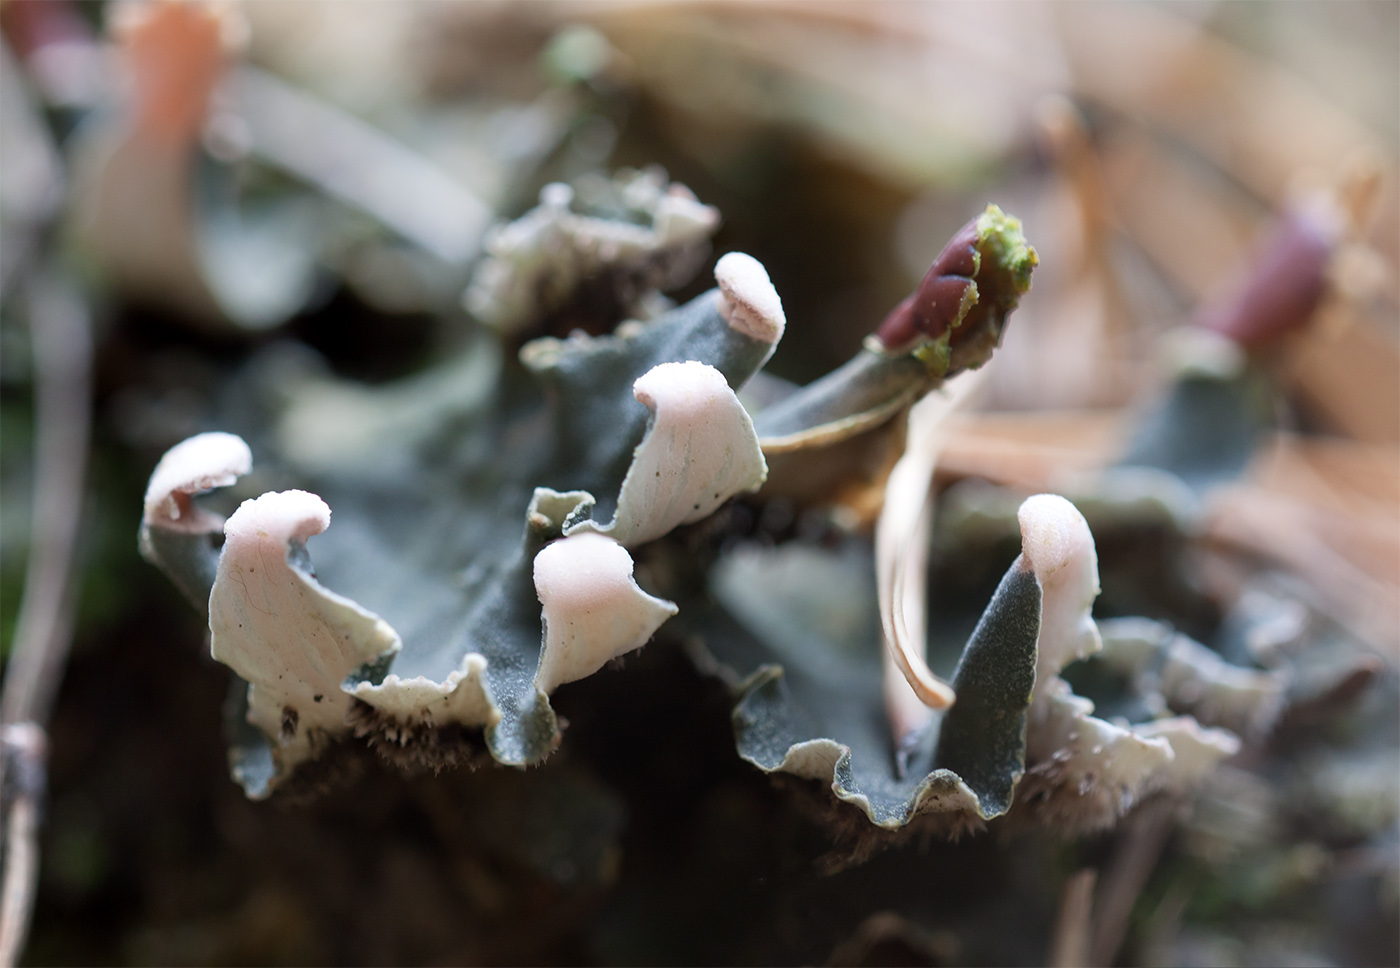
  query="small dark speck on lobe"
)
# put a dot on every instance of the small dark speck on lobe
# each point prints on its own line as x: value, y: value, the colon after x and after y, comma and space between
x: 289, y: 722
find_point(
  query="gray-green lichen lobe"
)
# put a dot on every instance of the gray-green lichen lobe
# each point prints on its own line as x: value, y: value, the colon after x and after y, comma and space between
x: 983, y: 735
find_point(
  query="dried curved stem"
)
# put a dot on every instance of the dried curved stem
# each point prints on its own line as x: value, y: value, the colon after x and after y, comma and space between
x: 1135, y: 855
x: 901, y: 555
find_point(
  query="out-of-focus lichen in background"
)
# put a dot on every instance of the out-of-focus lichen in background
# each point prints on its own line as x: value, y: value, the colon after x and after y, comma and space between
x: 352, y: 158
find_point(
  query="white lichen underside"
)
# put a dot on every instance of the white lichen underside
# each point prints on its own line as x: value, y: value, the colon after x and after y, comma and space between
x: 1196, y: 749
x: 198, y: 464
x: 1091, y: 754
x: 1194, y: 679
x: 593, y: 610
x: 538, y: 259
x: 748, y: 301
x: 1055, y: 539
x: 460, y: 698
x: 699, y: 451
x: 817, y: 759
x: 293, y: 640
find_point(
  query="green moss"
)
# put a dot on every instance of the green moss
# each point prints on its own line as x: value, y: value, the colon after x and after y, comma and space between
x: 1004, y: 265
x: 937, y: 354
x: 970, y: 297
x: 999, y: 238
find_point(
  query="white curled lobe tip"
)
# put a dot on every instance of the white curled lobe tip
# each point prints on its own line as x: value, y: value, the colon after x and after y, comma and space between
x: 276, y: 626
x: 275, y: 520
x: 593, y: 610
x: 198, y: 464
x: 700, y: 451
x: 748, y: 301
x: 1059, y: 548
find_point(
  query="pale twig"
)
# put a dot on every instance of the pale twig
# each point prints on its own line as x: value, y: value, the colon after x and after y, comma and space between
x: 62, y: 353
x: 1069, y: 945
x: 23, y: 747
x: 1140, y: 844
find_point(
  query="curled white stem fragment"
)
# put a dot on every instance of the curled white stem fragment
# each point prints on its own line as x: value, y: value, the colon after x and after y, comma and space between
x: 200, y: 463
x: 748, y: 301
x: 277, y: 627
x: 700, y: 449
x: 911, y: 690
x: 903, y: 617
x: 593, y: 610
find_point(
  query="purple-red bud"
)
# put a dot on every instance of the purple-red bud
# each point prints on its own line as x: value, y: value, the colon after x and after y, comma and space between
x: 929, y: 311
x: 955, y: 318
x: 1283, y: 287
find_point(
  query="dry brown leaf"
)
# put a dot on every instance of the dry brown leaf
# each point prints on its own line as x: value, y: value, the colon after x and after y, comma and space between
x: 1250, y: 117
x: 1333, y: 554
x: 1034, y: 451
x: 1348, y: 366
x: 1189, y: 224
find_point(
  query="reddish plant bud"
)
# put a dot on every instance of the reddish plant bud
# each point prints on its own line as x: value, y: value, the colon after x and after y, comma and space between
x: 1285, y: 284
x: 955, y: 318
x: 929, y: 311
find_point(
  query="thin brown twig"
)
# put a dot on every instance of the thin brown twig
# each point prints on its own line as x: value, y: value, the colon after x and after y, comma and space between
x: 1144, y: 835
x: 1069, y: 945
x: 62, y: 352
